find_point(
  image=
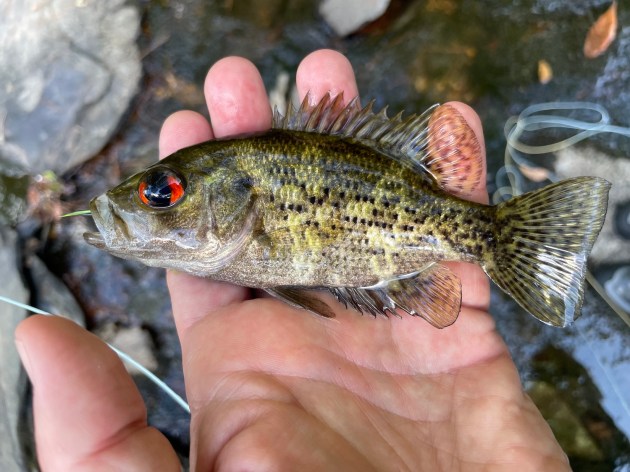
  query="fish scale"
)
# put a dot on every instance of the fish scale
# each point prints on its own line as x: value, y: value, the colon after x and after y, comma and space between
x: 338, y: 198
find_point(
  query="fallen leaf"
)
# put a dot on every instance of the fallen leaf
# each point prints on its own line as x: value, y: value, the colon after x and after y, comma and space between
x: 535, y: 174
x: 545, y: 72
x: 602, y: 33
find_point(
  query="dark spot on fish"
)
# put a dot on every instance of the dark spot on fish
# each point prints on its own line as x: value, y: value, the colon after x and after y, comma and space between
x: 468, y: 221
x: 335, y: 204
x: 342, y: 194
x: 370, y: 223
x: 326, y: 191
x: 405, y: 227
x: 316, y: 224
x: 307, y: 222
x: 272, y: 198
x: 374, y: 212
x: 383, y: 225
x: 365, y: 198
x: 303, y: 186
x: 299, y: 208
x: 362, y: 221
x: 285, y: 217
x: 346, y: 218
x: 282, y: 207
x: 371, y: 200
x: 290, y: 206
x: 395, y: 216
x: 355, y: 219
x: 386, y: 204
x: 333, y: 227
x: 357, y: 198
x: 312, y: 200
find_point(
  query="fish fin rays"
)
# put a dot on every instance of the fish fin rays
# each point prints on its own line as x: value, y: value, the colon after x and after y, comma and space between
x: 301, y: 298
x: 433, y: 294
x: 543, y: 243
x: 438, y: 143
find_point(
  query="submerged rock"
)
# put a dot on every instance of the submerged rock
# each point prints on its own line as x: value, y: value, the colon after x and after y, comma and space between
x: 68, y: 70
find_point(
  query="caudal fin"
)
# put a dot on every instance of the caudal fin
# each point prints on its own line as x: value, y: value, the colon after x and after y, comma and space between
x: 543, y: 242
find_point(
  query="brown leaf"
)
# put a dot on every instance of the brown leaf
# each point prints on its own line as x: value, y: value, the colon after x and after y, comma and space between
x: 602, y: 33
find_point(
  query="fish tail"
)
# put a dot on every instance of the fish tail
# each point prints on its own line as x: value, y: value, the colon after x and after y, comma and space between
x: 543, y: 239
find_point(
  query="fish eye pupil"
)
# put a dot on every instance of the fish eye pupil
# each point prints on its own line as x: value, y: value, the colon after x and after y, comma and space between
x: 161, y: 188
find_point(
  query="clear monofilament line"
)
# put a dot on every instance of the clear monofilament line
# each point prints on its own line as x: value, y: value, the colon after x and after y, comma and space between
x: 77, y: 213
x: 125, y: 358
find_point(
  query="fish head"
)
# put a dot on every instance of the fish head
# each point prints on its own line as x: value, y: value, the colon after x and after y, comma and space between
x: 182, y: 217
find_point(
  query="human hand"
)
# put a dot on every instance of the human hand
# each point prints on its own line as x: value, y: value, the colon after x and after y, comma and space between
x: 275, y: 388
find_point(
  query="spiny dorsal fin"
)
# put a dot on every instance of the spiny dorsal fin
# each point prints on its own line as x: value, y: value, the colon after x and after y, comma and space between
x: 438, y: 142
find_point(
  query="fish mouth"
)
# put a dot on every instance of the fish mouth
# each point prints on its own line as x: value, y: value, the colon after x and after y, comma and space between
x: 103, y: 217
x: 95, y: 239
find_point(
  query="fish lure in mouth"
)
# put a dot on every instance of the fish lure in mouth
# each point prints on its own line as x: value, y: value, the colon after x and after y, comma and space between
x: 342, y: 199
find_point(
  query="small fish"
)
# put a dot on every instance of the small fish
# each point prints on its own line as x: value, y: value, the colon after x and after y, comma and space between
x: 343, y: 199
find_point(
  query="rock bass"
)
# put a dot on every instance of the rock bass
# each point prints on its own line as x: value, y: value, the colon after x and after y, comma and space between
x: 344, y: 199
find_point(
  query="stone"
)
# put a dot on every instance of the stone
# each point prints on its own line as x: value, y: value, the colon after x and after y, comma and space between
x: 68, y: 70
x: 347, y: 16
x: 574, y: 161
x: 12, y: 378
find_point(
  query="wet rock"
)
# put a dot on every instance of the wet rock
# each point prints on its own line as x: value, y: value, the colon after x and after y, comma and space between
x: 611, y: 246
x: 12, y: 378
x: 347, y: 16
x: 133, y: 341
x: 68, y: 70
x: 564, y: 391
x: 51, y: 294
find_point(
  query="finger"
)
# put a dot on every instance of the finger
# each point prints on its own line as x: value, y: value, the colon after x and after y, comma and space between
x: 88, y: 412
x: 326, y: 71
x: 236, y: 98
x: 181, y: 129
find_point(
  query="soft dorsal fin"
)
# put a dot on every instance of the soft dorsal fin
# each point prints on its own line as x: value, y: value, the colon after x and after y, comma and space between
x: 438, y: 141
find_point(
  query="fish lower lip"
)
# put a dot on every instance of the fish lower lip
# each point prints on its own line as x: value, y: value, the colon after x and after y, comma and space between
x: 95, y: 239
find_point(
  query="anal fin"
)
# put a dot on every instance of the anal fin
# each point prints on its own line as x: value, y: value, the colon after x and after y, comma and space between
x: 433, y: 294
x: 301, y: 298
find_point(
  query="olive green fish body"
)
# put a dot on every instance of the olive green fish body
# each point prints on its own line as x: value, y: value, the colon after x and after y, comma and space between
x: 342, y: 199
x: 336, y: 213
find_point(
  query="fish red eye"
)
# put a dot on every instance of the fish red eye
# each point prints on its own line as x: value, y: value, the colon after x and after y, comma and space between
x: 161, y: 188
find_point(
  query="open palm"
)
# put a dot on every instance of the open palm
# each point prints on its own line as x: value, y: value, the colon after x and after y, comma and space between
x: 276, y: 388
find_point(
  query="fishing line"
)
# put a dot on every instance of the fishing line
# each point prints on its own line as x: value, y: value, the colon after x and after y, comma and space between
x: 122, y: 355
x: 530, y: 120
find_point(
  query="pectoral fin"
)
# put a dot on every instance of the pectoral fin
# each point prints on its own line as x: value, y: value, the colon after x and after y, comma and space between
x: 301, y: 298
x: 434, y: 294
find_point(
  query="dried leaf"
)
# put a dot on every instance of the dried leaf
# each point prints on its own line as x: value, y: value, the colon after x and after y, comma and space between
x: 535, y: 174
x: 545, y: 72
x: 602, y: 33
